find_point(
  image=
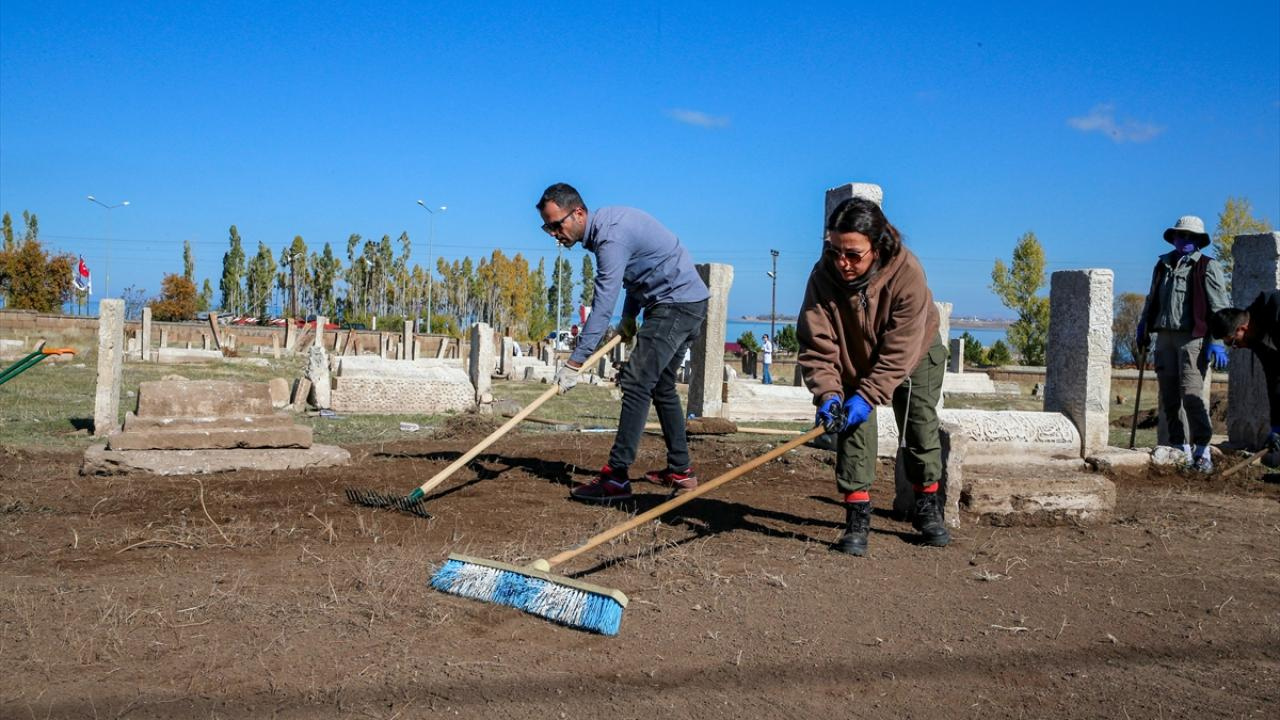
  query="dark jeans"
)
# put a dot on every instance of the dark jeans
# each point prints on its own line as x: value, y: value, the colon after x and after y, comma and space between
x: 650, y: 377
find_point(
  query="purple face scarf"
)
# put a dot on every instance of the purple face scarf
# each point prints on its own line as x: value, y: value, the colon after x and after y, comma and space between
x: 1185, y: 247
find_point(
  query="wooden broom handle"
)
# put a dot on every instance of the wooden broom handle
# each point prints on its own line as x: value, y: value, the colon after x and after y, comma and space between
x: 1244, y: 463
x: 515, y: 420
x: 679, y: 500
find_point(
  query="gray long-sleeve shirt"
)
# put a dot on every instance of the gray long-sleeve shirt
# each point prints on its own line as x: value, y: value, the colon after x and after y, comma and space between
x: 636, y: 252
x: 1173, y: 295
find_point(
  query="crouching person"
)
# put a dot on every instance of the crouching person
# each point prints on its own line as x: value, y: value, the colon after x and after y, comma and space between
x: 1257, y: 328
x: 868, y: 333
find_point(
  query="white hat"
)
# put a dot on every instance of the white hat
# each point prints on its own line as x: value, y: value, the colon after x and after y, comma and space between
x: 1190, y: 225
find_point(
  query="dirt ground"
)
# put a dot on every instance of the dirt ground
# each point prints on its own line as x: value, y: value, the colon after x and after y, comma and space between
x: 258, y: 595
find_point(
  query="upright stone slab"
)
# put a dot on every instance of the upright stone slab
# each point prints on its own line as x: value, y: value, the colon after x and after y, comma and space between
x: 548, y: 355
x: 321, y: 321
x: 318, y: 374
x: 1256, y: 269
x: 204, y: 341
x: 443, y: 348
x: 837, y: 195
x: 1078, y: 375
x: 956, y: 363
x: 290, y: 336
x: 481, y: 361
x: 146, y: 334
x: 706, y: 397
x: 106, y: 397
x: 275, y: 345
x: 406, y: 341
x: 508, y: 358
x: 164, y: 337
x: 944, y: 321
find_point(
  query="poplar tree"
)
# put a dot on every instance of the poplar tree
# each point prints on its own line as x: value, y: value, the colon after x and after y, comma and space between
x: 588, y: 280
x: 233, y: 275
x: 262, y: 270
x: 188, y: 263
x: 1017, y: 286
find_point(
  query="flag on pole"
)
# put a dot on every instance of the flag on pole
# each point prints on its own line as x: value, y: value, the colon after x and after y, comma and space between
x: 81, y: 279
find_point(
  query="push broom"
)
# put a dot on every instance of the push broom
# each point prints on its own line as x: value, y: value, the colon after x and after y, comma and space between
x: 535, y: 590
x: 414, y: 503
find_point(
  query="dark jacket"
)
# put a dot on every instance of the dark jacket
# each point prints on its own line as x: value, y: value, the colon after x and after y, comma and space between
x: 1264, y: 328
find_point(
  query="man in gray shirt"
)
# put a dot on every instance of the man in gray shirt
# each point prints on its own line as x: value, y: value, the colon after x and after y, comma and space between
x: 635, y: 253
x: 1187, y: 287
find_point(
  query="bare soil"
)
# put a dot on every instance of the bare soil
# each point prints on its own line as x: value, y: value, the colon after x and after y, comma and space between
x: 252, y: 594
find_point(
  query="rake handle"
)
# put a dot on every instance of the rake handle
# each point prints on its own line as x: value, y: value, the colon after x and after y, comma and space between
x: 679, y: 500
x: 1137, y: 398
x: 1244, y: 463
x: 515, y: 420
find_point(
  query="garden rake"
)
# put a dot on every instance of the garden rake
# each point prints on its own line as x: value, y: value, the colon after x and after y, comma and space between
x: 30, y: 360
x: 415, y: 502
x: 535, y: 590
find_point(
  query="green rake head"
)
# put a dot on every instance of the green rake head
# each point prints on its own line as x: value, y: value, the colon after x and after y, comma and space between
x: 414, y: 504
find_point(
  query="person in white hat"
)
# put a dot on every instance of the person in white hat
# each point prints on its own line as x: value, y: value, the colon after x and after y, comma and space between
x: 1187, y: 288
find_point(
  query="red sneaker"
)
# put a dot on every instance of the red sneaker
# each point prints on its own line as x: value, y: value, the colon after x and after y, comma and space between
x: 683, y: 480
x: 611, y: 486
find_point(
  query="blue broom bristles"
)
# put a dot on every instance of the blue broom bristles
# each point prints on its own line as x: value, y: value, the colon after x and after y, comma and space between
x: 570, y: 606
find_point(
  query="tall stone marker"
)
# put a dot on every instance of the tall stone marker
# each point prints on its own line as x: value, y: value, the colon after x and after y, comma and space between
x: 146, y: 334
x: 944, y: 321
x: 106, y: 398
x: 481, y: 361
x: 706, y: 397
x: 321, y: 321
x: 956, y: 363
x: 1078, y: 375
x: 1256, y: 270
x: 290, y: 336
x: 837, y: 195
x: 406, y: 342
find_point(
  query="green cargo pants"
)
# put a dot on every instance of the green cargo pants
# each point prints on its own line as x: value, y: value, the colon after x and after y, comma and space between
x: 856, y: 447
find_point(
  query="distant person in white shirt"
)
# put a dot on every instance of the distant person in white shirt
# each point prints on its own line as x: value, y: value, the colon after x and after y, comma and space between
x: 766, y: 347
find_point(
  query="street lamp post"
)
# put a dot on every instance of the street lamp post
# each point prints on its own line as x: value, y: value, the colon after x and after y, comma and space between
x: 773, y: 303
x: 106, y: 286
x: 431, y: 236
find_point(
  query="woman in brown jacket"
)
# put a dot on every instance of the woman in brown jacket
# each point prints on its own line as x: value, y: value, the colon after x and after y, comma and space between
x: 868, y: 336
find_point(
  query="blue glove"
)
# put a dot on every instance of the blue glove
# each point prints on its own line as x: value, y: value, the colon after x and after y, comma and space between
x: 1143, y: 339
x: 1273, y: 440
x: 829, y: 415
x: 1217, y: 355
x: 856, y: 411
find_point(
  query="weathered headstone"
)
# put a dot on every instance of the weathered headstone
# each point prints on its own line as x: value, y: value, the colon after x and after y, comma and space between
x: 1256, y: 270
x: 956, y: 362
x: 548, y: 355
x: 164, y: 337
x: 106, y: 397
x: 837, y: 195
x: 1078, y: 375
x: 318, y: 374
x: 290, y: 336
x: 507, y: 369
x: 406, y: 340
x: 481, y: 360
x: 944, y: 321
x: 146, y: 334
x: 275, y: 346
x: 442, y: 349
x: 301, y: 391
x: 279, y: 390
x: 321, y: 321
x: 706, y: 381
x: 204, y: 341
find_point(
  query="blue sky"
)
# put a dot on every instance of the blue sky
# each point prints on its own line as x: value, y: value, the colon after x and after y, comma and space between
x: 1093, y: 124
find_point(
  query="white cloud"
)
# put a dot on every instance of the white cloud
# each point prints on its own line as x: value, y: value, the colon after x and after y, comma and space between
x: 698, y: 118
x: 1102, y: 119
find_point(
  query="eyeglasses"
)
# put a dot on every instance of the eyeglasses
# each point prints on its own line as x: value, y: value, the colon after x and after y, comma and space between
x: 850, y: 256
x: 552, y: 228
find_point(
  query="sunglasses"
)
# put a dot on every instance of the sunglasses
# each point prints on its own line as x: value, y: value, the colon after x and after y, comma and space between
x: 552, y: 228
x: 851, y: 256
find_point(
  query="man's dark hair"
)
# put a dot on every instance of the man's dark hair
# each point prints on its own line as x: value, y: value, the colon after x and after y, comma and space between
x: 1226, y: 321
x: 564, y: 195
x: 866, y: 218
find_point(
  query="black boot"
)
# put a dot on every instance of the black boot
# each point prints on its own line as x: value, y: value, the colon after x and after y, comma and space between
x: 857, y: 525
x: 929, y: 520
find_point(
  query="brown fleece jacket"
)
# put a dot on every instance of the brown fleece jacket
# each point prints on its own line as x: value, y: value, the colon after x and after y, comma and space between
x: 865, y: 343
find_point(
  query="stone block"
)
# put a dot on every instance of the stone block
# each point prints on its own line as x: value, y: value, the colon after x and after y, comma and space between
x: 406, y: 341
x: 318, y: 373
x: 145, y: 343
x: 1256, y: 269
x: 134, y: 424
x: 400, y: 395
x: 955, y: 364
x: 106, y: 395
x: 1078, y: 374
x: 1038, y: 496
x: 278, y: 388
x: 321, y: 321
x: 539, y: 373
x: 954, y: 444
x: 183, y: 356
x: 944, y: 322
x: 482, y: 357
x: 202, y: 398
x: 98, y: 460
x: 506, y: 359
x: 301, y: 393
x: 164, y: 337
x: 195, y: 438
x: 290, y: 336
x: 706, y: 378
x: 837, y: 195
